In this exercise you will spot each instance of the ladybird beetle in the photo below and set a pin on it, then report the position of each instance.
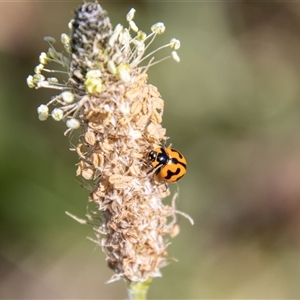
(169, 163)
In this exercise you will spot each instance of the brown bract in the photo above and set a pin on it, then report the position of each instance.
(113, 153)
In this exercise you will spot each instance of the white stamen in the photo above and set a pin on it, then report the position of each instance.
(130, 15)
(73, 123)
(175, 56)
(67, 97)
(57, 114)
(158, 28)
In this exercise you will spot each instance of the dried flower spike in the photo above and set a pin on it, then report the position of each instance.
(120, 114)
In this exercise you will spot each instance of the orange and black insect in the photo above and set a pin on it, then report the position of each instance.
(169, 163)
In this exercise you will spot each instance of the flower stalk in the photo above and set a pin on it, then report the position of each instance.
(106, 95)
(138, 290)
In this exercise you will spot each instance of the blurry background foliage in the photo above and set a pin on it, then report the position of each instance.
(232, 106)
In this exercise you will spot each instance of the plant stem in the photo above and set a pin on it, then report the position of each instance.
(138, 290)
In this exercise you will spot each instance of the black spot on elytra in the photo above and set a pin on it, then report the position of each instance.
(176, 161)
(170, 174)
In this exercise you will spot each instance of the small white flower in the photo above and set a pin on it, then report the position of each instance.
(65, 39)
(73, 123)
(43, 58)
(30, 82)
(67, 97)
(43, 112)
(42, 84)
(158, 28)
(93, 85)
(57, 114)
(39, 81)
(43, 109)
(43, 117)
(130, 15)
(52, 80)
(175, 56)
(93, 74)
(38, 69)
(38, 77)
(175, 44)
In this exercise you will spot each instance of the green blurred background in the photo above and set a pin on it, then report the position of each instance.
(232, 106)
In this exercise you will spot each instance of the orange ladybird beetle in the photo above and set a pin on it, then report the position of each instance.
(169, 163)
